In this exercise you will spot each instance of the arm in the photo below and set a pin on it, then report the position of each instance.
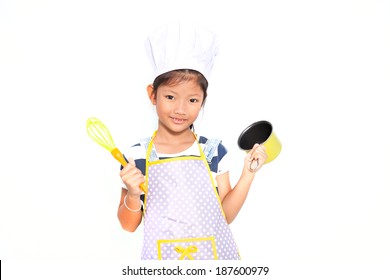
(233, 199)
(132, 178)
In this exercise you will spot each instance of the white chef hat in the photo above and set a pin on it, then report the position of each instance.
(182, 45)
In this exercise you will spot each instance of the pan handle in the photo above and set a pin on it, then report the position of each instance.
(253, 165)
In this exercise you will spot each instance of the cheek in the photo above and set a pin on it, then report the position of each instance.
(162, 108)
(197, 111)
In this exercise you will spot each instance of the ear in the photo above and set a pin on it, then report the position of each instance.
(151, 94)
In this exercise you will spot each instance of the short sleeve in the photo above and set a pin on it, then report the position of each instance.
(223, 159)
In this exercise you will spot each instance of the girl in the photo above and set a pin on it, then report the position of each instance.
(189, 200)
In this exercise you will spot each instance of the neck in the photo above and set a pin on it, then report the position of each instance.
(173, 142)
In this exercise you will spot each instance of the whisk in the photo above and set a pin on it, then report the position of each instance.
(99, 133)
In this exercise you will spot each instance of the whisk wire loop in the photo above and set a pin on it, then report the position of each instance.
(100, 134)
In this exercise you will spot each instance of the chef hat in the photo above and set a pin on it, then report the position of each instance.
(182, 45)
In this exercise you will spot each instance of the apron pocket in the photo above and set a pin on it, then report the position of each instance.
(203, 248)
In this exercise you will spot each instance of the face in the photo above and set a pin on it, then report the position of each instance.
(177, 106)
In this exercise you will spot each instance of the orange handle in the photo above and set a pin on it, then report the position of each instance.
(119, 157)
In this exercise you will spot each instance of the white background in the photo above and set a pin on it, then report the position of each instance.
(318, 70)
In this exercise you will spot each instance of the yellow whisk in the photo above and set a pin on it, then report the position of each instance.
(99, 133)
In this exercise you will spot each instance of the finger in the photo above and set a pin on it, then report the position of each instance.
(130, 165)
(133, 180)
(131, 173)
(253, 151)
(262, 148)
(259, 151)
(131, 161)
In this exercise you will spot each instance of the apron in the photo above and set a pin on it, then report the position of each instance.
(183, 215)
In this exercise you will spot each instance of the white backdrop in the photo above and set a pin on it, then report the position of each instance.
(318, 70)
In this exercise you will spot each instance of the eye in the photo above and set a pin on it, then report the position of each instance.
(169, 97)
(194, 100)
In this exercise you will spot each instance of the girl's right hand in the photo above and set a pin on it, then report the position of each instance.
(132, 177)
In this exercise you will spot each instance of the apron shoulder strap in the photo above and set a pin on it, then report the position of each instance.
(153, 154)
(210, 147)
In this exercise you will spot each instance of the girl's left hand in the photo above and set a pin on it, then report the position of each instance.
(256, 158)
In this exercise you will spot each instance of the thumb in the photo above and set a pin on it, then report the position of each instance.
(131, 161)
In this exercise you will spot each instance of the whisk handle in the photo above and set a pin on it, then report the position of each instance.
(119, 157)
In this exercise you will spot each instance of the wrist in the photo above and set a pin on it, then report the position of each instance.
(133, 195)
(132, 198)
(132, 204)
(247, 173)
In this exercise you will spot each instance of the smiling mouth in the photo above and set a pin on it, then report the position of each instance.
(178, 121)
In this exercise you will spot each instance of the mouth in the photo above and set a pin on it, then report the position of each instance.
(178, 120)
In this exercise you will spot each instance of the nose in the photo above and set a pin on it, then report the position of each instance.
(180, 107)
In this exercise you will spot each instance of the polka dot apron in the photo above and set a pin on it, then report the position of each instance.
(183, 215)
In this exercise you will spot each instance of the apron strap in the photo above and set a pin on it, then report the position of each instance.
(209, 148)
(153, 154)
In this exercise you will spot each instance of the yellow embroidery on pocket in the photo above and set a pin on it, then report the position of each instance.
(186, 252)
(187, 247)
